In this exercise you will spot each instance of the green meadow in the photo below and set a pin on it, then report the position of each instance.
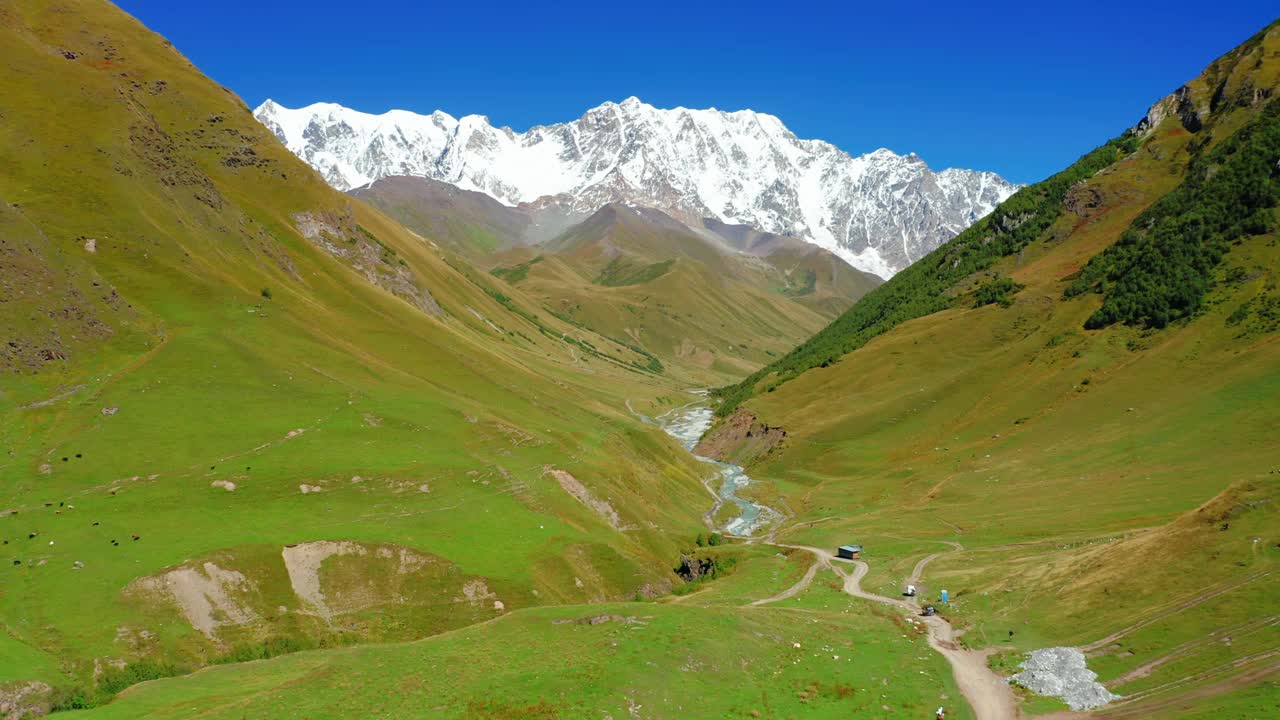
(268, 453)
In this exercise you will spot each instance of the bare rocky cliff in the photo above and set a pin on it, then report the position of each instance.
(741, 439)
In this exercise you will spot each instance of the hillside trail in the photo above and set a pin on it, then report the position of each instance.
(1174, 607)
(987, 693)
(918, 571)
(795, 589)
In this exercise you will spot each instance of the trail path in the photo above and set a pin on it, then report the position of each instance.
(1174, 607)
(1235, 631)
(54, 399)
(1262, 669)
(796, 589)
(988, 694)
(1125, 711)
(918, 570)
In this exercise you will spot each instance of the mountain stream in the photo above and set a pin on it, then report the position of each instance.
(687, 424)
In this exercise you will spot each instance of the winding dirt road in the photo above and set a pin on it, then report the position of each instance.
(796, 589)
(988, 694)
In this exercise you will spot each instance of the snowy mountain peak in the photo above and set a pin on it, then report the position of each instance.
(879, 211)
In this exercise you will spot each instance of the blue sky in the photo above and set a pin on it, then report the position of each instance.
(1019, 88)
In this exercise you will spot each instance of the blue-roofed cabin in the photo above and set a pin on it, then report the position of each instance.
(849, 552)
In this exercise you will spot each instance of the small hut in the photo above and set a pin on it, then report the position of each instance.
(849, 552)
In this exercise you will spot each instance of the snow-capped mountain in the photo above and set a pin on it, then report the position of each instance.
(879, 211)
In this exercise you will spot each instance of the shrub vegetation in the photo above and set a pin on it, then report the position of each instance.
(921, 289)
(1161, 268)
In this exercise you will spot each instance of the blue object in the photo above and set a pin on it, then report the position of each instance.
(944, 596)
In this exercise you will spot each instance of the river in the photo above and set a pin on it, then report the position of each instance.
(687, 425)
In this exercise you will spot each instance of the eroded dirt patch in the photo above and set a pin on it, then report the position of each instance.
(582, 494)
(302, 562)
(740, 439)
(688, 350)
(365, 591)
(208, 596)
(337, 233)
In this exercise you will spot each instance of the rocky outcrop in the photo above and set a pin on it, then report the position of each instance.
(24, 700)
(1181, 103)
(740, 439)
(582, 494)
(337, 234)
(1061, 672)
(692, 568)
(1235, 80)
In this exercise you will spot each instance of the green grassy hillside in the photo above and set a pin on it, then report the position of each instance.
(599, 661)
(702, 305)
(1232, 92)
(1079, 390)
(244, 414)
(268, 453)
(623, 272)
(470, 223)
(703, 310)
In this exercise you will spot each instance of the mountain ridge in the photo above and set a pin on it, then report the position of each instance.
(878, 211)
(706, 308)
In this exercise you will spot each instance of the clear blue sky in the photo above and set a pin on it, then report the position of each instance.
(1019, 88)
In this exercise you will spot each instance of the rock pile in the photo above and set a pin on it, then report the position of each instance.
(1061, 672)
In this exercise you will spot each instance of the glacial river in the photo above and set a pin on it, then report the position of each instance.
(687, 425)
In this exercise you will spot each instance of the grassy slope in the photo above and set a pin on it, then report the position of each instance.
(641, 277)
(820, 654)
(668, 661)
(470, 223)
(190, 204)
(819, 279)
(707, 314)
(1072, 464)
(213, 382)
(1215, 105)
(453, 404)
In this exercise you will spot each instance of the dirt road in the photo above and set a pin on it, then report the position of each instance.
(796, 589)
(988, 694)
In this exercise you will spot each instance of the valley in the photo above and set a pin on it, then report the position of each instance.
(698, 308)
(731, 513)
(301, 420)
